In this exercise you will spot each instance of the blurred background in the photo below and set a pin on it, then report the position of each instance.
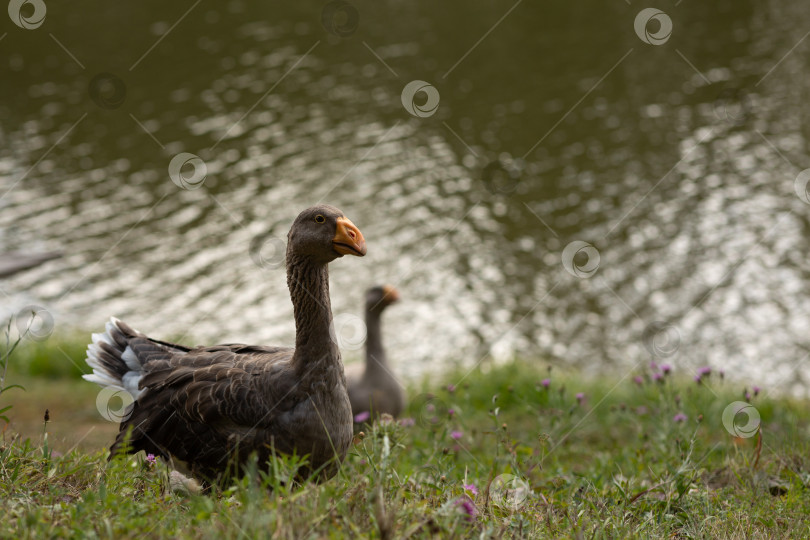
(669, 157)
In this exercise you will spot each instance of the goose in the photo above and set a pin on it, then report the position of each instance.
(373, 389)
(14, 262)
(208, 408)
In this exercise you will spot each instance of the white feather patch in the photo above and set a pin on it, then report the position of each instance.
(130, 382)
(131, 360)
(101, 337)
(101, 379)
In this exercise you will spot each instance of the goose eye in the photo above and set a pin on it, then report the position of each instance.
(319, 219)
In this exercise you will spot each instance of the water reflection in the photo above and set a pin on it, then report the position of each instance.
(675, 162)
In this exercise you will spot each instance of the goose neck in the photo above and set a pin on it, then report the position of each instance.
(375, 354)
(309, 290)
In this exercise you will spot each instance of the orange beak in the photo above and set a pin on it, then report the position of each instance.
(348, 239)
(390, 294)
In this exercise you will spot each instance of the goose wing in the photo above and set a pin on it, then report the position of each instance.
(200, 405)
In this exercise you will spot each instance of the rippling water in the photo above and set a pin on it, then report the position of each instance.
(676, 162)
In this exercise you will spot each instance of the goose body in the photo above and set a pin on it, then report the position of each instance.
(373, 388)
(211, 406)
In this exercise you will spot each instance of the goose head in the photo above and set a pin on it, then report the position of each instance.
(322, 234)
(380, 297)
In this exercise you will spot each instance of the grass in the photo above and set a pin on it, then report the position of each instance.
(536, 462)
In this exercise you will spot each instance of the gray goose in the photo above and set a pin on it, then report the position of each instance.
(372, 387)
(208, 407)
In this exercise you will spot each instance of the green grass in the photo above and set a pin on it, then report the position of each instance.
(60, 357)
(616, 465)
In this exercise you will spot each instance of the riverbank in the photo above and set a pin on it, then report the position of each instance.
(519, 450)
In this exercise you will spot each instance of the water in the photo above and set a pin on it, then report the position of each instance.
(676, 162)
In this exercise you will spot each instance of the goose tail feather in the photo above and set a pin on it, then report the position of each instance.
(113, 361)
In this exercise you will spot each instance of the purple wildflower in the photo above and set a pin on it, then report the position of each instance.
(471, 488)
(658, 377)
(362, 417)
(545, 383)
(151, 459)
(451, 388)
(666, 368)
(680, 417)
(580, 397)
(705, 370)
(756, 390)
(747, 395)
(638, 380)
(407, 422)
(653, 366)
(698, 379)
(467, 507)
(451, 412)
(456, 435)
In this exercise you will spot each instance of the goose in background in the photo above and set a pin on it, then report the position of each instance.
(14, 262)
(212, 407)
(373, 388)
